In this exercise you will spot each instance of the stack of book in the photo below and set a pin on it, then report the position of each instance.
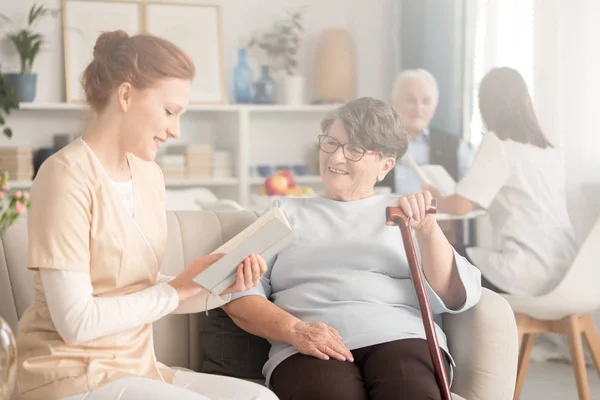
(172, 165)
(18, 162)
(222, 164)
(198, 159)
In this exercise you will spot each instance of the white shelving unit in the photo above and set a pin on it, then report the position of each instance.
(255, 134)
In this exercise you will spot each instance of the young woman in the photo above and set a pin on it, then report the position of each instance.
(97, 235)
(518, 177)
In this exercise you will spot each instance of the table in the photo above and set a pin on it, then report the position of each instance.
(464, 219)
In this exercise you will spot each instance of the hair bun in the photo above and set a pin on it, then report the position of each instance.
(108, 42)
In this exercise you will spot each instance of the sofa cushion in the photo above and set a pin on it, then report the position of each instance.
(229, 350)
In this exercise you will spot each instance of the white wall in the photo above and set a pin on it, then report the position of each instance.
(368, 21)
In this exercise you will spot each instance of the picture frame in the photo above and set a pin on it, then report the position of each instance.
(83, 22)
(197, 29)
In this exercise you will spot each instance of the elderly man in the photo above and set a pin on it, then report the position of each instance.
(415, 97)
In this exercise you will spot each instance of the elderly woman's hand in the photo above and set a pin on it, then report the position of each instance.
(319, 340)
(415, 205)
(248, 275)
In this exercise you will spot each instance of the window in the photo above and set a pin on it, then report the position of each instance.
(503, 37)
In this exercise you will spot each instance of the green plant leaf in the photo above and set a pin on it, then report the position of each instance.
(7, 132)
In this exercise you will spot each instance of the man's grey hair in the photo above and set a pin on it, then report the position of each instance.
(371, 124)
(414, 74)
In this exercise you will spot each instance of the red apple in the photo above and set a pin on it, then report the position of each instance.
(288, 175)
(276, 185)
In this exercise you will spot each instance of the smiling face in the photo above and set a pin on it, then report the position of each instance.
(350, 180)
(416, 104)
(152, 116)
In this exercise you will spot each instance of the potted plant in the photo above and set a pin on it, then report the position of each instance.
(8, 101)
(281, 45)
(28, 44)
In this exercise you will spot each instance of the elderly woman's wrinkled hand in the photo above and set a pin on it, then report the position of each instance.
(319, 340)
(415, 206)
(248, 275)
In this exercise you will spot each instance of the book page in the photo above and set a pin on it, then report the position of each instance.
(250, 230)
(421, 175)
(440, 179)
(268, 235)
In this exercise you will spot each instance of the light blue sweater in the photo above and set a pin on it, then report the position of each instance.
(349, 270)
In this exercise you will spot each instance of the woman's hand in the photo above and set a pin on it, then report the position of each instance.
(319, 340)
(184, 284)
(249, 273)
(415, 205)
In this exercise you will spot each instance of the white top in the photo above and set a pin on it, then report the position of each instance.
(523, 189)
(126, 193)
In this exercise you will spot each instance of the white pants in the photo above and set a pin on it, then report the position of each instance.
(186, 386)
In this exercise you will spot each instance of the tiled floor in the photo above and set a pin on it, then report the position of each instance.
(555, 381)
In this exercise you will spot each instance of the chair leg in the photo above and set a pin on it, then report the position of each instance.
(573, 329)
(592, 339)
(524, 356)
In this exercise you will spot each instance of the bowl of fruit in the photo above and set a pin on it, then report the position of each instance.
(281, 184)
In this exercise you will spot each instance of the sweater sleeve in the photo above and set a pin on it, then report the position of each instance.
(203, 301)
(80, 317)
(470, 277)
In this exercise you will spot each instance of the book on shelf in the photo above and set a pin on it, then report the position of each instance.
(267, 236)
(433, 175)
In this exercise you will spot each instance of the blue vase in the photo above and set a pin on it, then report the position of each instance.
(242, 79)
(24, 85)
(264, 88)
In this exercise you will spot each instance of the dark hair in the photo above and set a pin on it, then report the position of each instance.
(371, 124)
(507, 110)
(141, 60)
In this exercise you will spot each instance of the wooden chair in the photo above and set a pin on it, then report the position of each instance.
(566, 310)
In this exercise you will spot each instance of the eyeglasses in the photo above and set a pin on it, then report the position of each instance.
(352, 152)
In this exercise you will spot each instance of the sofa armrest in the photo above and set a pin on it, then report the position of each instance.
(484, 343)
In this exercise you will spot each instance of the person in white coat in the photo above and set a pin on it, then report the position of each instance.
(518, 178)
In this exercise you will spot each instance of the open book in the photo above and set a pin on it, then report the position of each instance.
(433, 175)
(267, 236)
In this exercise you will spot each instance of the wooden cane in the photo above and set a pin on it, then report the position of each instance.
(396, 216)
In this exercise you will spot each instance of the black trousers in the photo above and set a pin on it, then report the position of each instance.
(398, 370)
(462, 250)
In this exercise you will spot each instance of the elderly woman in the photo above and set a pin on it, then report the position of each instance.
(338, 305)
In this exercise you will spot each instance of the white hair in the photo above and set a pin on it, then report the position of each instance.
(414, 74)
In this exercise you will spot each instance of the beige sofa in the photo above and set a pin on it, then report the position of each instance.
(483, 340)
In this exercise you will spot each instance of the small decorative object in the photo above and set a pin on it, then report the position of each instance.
(264, 88)
(28, 44)
(11, 206)
(301, 169)
(264, 170)
(282, 45)
(242, 79)
(335, 69)
(8, 101)
(8, 360)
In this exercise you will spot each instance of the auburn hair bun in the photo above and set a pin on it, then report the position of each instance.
(108, 42)
(140, 60)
